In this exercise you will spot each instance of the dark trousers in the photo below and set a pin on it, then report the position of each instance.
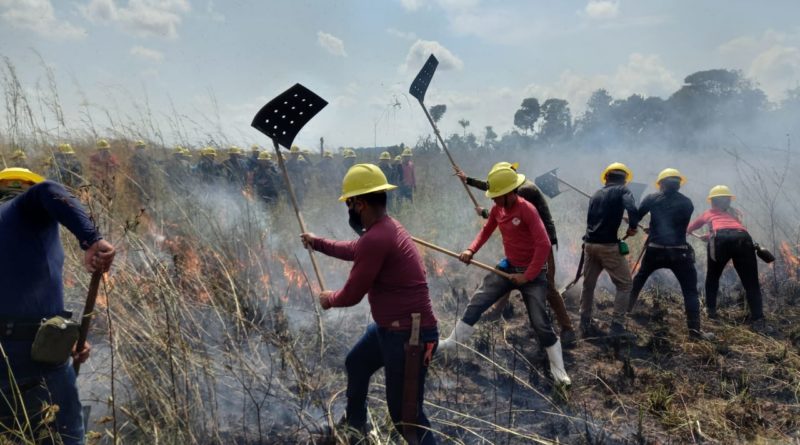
(381, 348)
(681, 263)
(534, 295)
(736, 246)
(35, 385)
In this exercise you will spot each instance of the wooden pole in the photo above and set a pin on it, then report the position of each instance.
(455, 255)
(88, 314)
(441, 141)
(300, 220)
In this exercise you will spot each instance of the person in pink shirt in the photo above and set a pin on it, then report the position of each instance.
(728, 240)
(409, 183)
(527, 247)
(387, 267)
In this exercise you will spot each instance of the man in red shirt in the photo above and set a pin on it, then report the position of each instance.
(387, 267)
(728, 241)
(527, 247)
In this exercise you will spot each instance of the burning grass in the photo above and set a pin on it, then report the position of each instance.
(216, 336)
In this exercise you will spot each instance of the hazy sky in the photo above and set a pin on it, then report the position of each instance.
(361, 55)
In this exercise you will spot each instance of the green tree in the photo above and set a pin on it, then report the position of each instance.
(464, 124)
(557, 125)
(525, 118)
(490, 138)
(437, 112)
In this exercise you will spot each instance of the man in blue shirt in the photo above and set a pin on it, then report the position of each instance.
(31, 265)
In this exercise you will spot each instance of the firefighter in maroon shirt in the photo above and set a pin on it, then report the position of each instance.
(387, 267)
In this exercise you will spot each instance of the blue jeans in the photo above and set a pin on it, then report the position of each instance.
(534, 295)
(39, 384)
(381, 348)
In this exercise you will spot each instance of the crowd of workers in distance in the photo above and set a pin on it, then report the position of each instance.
(255, 170)
(388, 268)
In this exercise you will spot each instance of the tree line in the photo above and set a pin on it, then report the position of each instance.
(708, 104)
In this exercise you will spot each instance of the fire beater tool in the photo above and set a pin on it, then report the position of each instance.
(418, 89)
(83, 334)
(281, 119)
(455, 255)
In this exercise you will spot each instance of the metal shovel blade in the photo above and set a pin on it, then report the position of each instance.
(283, 117)
(548, 183)
(637, 188)
(420, 84)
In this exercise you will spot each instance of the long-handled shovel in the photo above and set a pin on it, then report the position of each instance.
(83, 334)
(418, 89)
(281, 119)
(455, 255)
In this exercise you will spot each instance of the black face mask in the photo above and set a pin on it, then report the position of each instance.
(355, 222)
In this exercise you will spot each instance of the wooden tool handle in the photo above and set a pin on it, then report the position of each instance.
(455, 255)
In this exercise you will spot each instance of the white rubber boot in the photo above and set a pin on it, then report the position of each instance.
(557, 364)
(460, 334)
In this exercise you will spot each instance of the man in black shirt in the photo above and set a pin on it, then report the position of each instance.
(601, 246)
(670, 212)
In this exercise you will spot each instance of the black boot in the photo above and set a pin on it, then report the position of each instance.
(693, 323)
(589, 328)
(619, 332)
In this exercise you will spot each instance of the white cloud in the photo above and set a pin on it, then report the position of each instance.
(401, 34)
(642, 74)
(412, 5)
(39, 16)
(331, 43)
(602, 9)
(213, 14)
(147, 54)
(420, 51)
(144, 18)
(772, 59)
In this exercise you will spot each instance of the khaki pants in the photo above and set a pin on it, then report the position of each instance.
(599, 257)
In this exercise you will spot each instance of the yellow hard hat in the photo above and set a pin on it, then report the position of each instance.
(294, 149)
(362, 179)
(255, 147)
(398, 158)
(140, 144)
(20, 174)
(504, 164)
(265, 156)
(386, 156)
(209, 151)
(719, 191)
(328, 155)
(178, 150)
(19, 154)
(47, 162)
(301, 158)
(103, 144)
(407, 153)
(66, 149)
(234, 150)
(306, 151)
(670, 173)
(349, 153)
(503, 180)
(617, 166)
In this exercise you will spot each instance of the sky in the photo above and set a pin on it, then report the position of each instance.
(205, 58)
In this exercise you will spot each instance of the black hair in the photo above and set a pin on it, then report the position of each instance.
(374, 199)
(616, 176)
(670, 184)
